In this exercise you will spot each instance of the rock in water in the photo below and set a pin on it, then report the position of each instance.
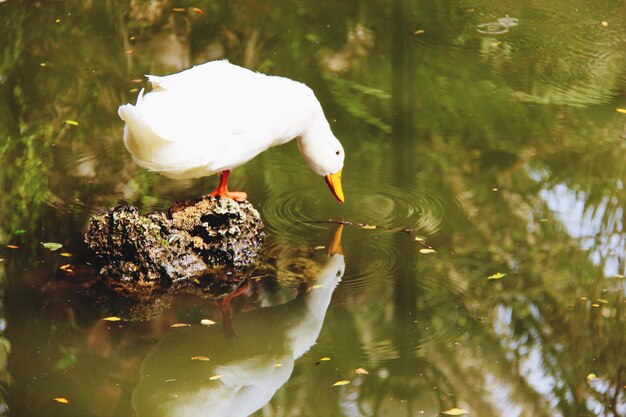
(199, 237)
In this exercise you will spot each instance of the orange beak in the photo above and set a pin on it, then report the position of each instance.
(334, 183)
(335, 244)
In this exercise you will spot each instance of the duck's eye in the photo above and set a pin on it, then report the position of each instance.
(337, 153)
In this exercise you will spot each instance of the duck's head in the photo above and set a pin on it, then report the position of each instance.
(324, 154)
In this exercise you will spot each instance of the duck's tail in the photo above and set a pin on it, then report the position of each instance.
(140, 139)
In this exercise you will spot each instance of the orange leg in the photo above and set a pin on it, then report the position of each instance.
(222, 190)
(224, 305)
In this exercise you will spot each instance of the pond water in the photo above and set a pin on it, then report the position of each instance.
(491, 129)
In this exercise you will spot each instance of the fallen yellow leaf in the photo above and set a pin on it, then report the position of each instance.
(198, 10)
(71, 122)
(623, 111)
(605, 23)
(112, 318)
(455, 412)
(602, 300)
(591, 377)
(325, 358)
(61, 400)
(180, 325)
(214, 377)
(319, 247)
(278, 365)
(497, 275)
(13, 247)
(368, 227)
(200, 358)
(340, 383)
(178, 9)
(66, 254)
(361, 371)
(426, 251)
(419, 32)
(66, 268)
(207, 322)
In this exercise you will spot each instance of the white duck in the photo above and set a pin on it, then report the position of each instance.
(216, 116)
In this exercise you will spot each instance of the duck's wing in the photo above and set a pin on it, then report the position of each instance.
(203, 76)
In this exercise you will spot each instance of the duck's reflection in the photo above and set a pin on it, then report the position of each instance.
(252, 365)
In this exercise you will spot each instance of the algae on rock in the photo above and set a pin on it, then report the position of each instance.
(207, 236)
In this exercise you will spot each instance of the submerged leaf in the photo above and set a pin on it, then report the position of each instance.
(52, 246)
(455, 412)
(361, 371)
(61, 400)
(340, 383)
(497, 275)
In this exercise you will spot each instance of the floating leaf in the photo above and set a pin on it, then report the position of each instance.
(595, 305)
(66, 268)
(325, 358)
(455, 412)
(180, 325)
(340, 383)
(19, 232)
(200, 358)
(419, 32)
(214, 377)
(207, 322)
(319, 247)
(52, 246)
(112, 318)
(368, 227)
(178, 9)
(361, 371)
(61, 400)
(591, 377)
(66, 254)
(198, 10)
(13, 247)
(602, 300)
(71, 122)
(605, 23)
(623, 111)
(133, 90)
(427, 251)
(497, 275)
(278, 365)
(419, 239)
(137, 81)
